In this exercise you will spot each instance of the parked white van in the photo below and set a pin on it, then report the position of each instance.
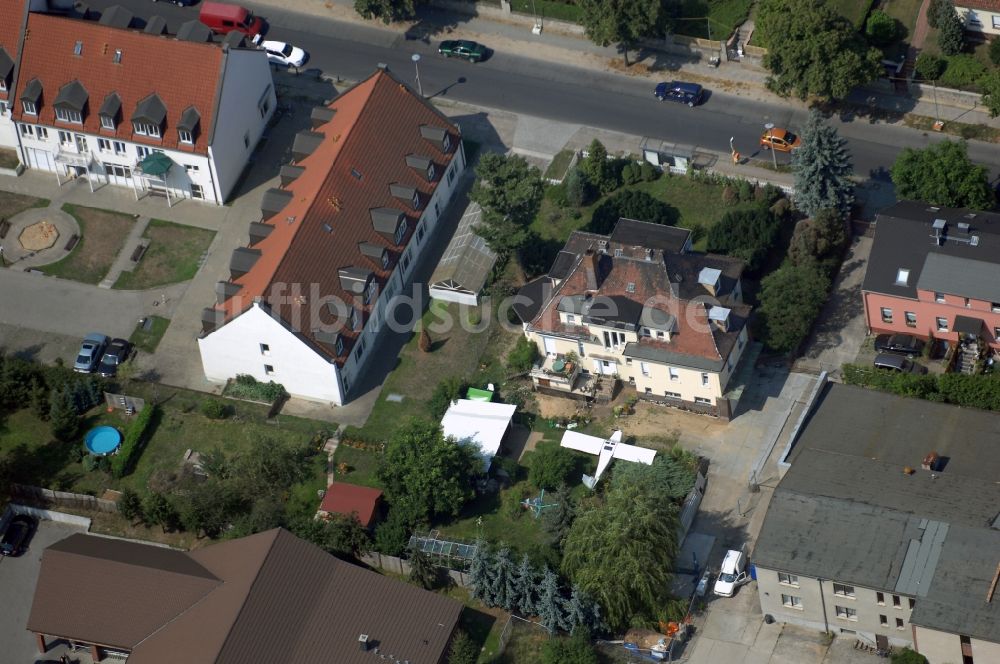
(733, 573)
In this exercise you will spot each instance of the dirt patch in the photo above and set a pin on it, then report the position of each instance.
(11, 203)
(173, 256)
(549, 406)
(102, 236)
(652, 421)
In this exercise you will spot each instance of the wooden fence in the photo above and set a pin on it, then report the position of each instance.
(47, 497)
(400, 566)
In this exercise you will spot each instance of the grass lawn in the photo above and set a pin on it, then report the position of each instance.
(148, 340)
(11, 203)
(456, 352)
(102, 236)
(560, 163)
(173, 255)
(562, 11)
(8, 159)
(698, 205)
(855, 11)
(724, 15)
(26, 443)
(361, 465)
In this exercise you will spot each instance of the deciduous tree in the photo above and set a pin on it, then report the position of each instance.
(745, 234)
(575, 649)
(822, 168)
(432, 473)
(632, 204)
(621, 22)
(621, 552)
(341, 535)
(159, 511)
(942, 174)
(550, 466)
(386, 10)
(790, 300)
(130, 506)
(951, 30)
(813, 50)
(509, 190)
(990, 85)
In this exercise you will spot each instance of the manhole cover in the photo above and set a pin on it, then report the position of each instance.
(38, 236)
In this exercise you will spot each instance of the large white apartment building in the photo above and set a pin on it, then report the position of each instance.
(97, 100)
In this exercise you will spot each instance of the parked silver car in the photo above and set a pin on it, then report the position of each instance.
(90, 353)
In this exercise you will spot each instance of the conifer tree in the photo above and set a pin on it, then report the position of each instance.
(550, 609)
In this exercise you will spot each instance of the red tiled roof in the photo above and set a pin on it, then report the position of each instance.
(11, 21)
(375, 125)
(985, 5)
(181, 73)
(343, 498)
(649, 283)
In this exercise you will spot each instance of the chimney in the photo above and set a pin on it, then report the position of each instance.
(719, 317)
(363, 642)
(649, 254)
(590, 268)
(940, 227)
(931, 461)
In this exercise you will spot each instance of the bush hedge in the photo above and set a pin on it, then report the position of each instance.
(245, 386)
(135, 439)
(972, 391)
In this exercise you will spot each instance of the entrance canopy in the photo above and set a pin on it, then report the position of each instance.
(968, 325)
(481, 423)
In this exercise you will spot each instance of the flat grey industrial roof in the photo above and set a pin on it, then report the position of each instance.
(847, 511)
(957, 598)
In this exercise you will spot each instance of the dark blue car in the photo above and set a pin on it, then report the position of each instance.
(685, 93)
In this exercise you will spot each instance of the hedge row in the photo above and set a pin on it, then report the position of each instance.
(973, 391)
(135, 438)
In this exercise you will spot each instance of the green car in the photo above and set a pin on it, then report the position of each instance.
(460, 48)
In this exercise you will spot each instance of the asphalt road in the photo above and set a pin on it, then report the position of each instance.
(576, 95)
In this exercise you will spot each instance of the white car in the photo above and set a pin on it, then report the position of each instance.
(286, 55)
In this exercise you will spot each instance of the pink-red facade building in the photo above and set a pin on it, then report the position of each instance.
(935, 273)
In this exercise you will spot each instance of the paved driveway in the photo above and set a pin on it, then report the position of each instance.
(17, 587)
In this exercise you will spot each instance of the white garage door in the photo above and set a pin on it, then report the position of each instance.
(40, 159)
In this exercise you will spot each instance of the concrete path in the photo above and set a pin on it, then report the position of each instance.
(124, 261)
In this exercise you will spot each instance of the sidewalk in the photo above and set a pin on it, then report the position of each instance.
(732, 78)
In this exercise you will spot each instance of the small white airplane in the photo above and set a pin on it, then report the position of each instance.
(606, 450)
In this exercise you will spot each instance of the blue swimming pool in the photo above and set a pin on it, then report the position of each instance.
(102, 440)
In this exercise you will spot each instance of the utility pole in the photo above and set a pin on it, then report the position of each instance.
(770, 146)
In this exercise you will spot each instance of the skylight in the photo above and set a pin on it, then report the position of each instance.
(902, 276)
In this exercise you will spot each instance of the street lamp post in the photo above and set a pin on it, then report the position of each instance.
(770, 146)
(416, 66)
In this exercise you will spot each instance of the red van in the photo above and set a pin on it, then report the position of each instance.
(223, 19)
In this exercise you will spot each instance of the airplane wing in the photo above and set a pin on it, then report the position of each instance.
(634, 453)
(581, 442)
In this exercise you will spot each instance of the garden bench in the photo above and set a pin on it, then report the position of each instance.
(4, 227)
(139, 251)
(73, 239)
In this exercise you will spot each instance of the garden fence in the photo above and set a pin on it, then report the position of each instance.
(47, 497)
(400, 566)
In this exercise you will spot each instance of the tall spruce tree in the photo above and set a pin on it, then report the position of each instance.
(479, 572)
(505, 579)
(581, 611)
(550, 605)
(524, 587)
(823, 169)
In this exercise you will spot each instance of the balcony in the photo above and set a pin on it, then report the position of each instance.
(556, 372)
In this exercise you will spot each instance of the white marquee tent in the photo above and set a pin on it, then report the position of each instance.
(481, 423)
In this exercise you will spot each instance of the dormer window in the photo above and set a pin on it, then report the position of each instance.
(446, 143)
(371, 291)
(340, 345)
(31, 97)
(146, 129)
(400, 233)
(430, 172)
(187, 126)
(354, 318)
(416, 200)
(385, 260)
(3, 85)
(185, 136)
(107, 122)
(67, 115)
